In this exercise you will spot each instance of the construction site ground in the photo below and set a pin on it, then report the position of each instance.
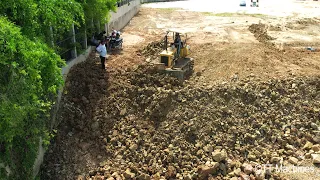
(241, 53)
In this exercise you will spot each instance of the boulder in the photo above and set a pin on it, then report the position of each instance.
(244, 176)
(260, 174)
(315, 158)
(275, 159)
(144, 177)
(308, 145)
(219, 156)
(171, 172)
(204, 170)
(316, 148)
(247, 168)
(293, 160)
(128, 174)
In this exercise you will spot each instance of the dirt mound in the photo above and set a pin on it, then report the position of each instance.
(152, 50)
(302, 24)
(276, 27)
(183, 132)
(260, 31)
(308, 21)
(147, 125)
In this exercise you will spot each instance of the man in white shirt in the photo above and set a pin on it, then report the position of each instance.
(102, 50)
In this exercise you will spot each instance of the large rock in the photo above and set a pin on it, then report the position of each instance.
(316, 148)
(204, 171)
(293, 160)
(244, 176)
(252, 157)
(315, 158)
(208, 148)
(237, 172)
(308, 145)
(247, 168)
(219, 156)
(260, 174)
(316, 139)
(275, 159)
(314, 126)
(128, 174)
(171, 172)
(133, 147)
(290, 147)
(144, 177)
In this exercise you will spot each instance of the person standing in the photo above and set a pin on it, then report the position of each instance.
(101, 36)
(102, 50)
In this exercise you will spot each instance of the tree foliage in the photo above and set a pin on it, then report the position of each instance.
(30, 76)
(36, 16)
(30, 71)
(98, 9)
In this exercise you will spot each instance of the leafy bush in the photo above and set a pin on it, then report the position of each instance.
(30, 76)
(30, 73)
(36, 16)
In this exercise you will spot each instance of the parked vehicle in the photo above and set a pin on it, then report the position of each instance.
(243, 3)
(254, 3)
(115, 43)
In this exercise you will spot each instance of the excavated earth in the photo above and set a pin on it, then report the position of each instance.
(132, 122)
(140, 124)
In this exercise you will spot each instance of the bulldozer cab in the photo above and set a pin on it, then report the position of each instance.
(175, 48)
(174, 58)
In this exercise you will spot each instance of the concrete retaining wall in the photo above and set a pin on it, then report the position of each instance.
(123, 15)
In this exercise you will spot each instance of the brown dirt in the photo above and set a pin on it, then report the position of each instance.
(225, 46)
(224, 50)
(260, 32)
(74, 147)
(152, 50)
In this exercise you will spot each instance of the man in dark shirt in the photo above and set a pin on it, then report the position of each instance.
(177, 40)
(101, 36)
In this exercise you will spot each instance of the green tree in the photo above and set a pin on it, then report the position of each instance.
(97, 12)
(30, 71)
(36, 16)
(98, 9)
(30, 76)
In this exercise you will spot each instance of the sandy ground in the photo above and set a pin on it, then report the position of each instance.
(223, 48)
(270, 7)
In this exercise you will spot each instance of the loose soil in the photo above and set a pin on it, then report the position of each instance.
(253, 99)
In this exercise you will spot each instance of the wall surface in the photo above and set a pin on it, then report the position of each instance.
(123, 16)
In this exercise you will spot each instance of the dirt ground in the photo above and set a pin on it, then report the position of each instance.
(225, 46)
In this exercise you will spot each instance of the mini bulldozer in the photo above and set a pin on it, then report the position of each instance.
(174, 58)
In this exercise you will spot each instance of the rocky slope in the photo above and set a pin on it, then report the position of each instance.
(146, 125)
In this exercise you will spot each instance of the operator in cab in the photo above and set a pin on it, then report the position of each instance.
(177, 41)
